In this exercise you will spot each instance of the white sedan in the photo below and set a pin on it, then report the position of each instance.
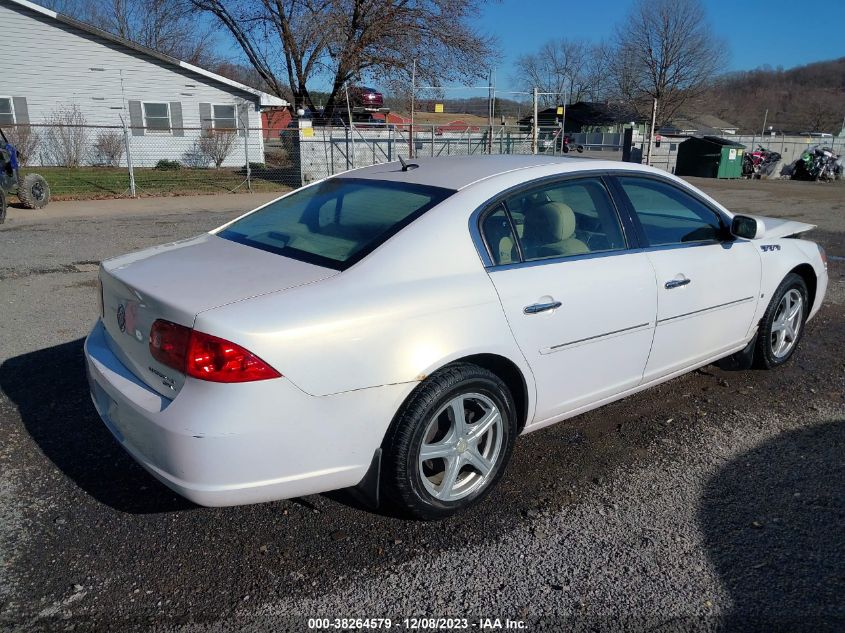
(395, 328)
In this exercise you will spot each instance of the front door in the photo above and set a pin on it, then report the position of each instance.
(580, 304)
(708, 284)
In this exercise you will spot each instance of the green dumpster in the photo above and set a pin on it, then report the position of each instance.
(710, 157)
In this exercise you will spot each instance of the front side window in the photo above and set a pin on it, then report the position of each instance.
(224, 117)
(157, 117)
(669, 215)
(337, 222)
(574, 217)
(7, 113)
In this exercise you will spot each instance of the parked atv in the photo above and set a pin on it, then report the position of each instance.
(33, 191)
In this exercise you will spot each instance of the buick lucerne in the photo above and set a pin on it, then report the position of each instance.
(394, 329)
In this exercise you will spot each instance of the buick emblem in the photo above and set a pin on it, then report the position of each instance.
(121, 317)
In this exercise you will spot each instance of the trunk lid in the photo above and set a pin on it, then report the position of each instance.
(176, 282)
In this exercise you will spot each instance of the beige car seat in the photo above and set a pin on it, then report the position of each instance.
(549, 231)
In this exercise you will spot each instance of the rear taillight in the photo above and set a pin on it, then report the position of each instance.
(169, 343)
(204, 356)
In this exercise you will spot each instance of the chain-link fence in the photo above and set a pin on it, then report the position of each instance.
(87, 161)
(84, 162)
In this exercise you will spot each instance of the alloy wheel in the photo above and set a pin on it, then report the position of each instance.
(461, 445)
(787, 323)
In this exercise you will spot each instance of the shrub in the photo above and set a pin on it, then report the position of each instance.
(216, 145)
(25, 139)
(109, 146)
(168, 165)
(257, 165)
(66, 137)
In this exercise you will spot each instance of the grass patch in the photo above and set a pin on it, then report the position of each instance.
(87, 183)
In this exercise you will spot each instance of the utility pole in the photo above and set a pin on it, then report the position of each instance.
(534, 131)
(651, 130)
(765, 120)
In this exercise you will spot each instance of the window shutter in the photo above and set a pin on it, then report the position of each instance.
(243, 118)
(136, 118)
(21, 110)
(176, 124)
(205, 116)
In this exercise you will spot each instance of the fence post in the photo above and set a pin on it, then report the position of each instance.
(534, 128)
(246, 158)
(432, 140)
(128, 159)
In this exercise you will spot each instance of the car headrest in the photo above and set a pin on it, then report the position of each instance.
(549, 222)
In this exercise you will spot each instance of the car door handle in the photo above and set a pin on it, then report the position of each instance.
(535, 308)
(676, 283)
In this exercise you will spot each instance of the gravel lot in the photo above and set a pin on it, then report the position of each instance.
(713, 501)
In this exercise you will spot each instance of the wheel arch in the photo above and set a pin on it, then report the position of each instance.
(806, 272)
(508, 371)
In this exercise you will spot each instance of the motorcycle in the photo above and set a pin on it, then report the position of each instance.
(760, 162)
(818, 163)
(566, 145)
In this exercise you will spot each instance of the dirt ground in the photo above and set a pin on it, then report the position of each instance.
(714, 501)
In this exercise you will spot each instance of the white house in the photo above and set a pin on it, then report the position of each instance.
(167, 104)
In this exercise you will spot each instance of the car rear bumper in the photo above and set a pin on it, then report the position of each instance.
(232, 444)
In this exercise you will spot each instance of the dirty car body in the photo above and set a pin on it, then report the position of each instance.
(275, 356)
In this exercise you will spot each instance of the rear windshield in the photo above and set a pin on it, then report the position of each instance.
(337, 222)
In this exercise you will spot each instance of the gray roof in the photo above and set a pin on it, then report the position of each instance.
(456, 172)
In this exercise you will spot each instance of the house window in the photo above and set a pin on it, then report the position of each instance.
(7, 111)
(157, 117)
(224, 117)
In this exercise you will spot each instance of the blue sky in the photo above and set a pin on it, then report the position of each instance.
(774, 32)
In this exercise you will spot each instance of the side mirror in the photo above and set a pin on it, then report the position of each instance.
(746, 227)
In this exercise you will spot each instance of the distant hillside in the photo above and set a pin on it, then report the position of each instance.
(803, 99)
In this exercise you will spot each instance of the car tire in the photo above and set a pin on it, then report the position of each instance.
(467, 461)
(782, 324)
(2, 206)
(34, 192)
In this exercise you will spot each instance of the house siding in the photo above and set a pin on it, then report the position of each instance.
(102, 77)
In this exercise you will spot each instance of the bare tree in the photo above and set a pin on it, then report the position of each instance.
(292, 42)
(665, 54)
(166, 26)
(559, 69)
(216, 145)
(66, 137)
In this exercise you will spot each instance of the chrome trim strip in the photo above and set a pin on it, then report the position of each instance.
(716, 307)
(592, 338)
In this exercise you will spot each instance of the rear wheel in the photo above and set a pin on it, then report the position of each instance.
(450, 442)
(34, 192)
(783, 323)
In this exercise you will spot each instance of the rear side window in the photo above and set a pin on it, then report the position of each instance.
(574, 217)
(669, 215)
(337, 222)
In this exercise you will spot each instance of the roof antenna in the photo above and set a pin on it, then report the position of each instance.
(406, 166)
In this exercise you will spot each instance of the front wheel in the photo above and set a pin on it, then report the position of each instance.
(783, 323)
(34, 192)
(449, 443)
(580, 149)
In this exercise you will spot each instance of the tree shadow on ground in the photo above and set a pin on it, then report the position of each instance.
(774, 526)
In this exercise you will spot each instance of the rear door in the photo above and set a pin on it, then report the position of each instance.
(580, 304)
(707, 282)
